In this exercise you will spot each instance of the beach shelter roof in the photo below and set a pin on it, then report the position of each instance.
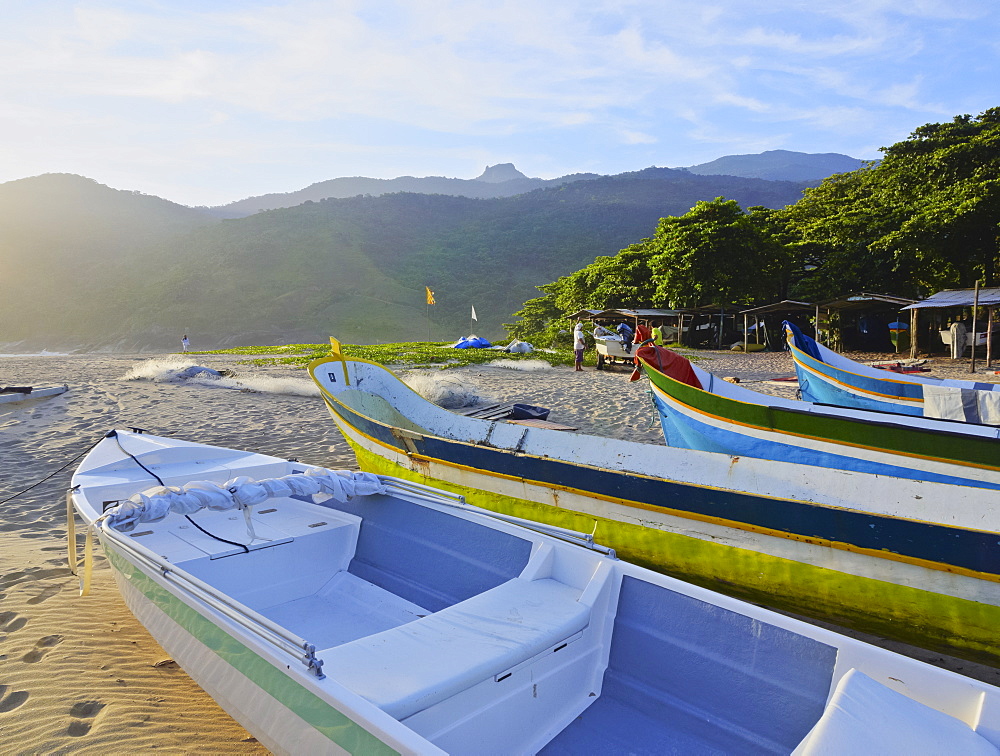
(864, 300)
(713, 309)
(583, 314)
(958, 298)
(786, 305)
(640, 314)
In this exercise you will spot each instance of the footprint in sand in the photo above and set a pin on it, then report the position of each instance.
(35, 573)
(83, 712)
(42, 647)
(9, 622)
(11, 701)
(45, 595)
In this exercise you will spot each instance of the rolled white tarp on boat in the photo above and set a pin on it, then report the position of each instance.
(156, 503)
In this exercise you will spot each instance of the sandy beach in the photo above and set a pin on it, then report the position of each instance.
(80, 675)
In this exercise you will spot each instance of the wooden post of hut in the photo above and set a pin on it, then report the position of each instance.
(989, 338)
(975, 312)
(914, 319)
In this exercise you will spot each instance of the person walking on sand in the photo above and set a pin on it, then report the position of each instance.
(579, 344)
(185, 343)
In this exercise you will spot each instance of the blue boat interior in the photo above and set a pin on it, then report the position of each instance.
(428, 557)
(676, 663)
(689, 677)
(427, 588)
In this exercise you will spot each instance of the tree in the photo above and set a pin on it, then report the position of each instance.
(717, 253)
(923, 219)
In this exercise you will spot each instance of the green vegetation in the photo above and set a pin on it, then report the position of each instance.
(412, 354)
(926, 217)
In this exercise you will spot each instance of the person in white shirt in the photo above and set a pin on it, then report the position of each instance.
(579, 344)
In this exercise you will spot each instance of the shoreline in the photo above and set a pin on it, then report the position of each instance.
(82, 675)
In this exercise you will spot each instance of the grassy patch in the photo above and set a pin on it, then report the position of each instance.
(415, 354)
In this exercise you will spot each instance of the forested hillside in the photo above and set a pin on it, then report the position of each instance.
(924, 218)
(95, 267)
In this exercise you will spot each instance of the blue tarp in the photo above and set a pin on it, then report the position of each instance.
(471, 342)
(803, 342)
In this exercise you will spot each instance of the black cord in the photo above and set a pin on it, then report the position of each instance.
(114, 435)
(159, 480)
(47, 477)
(246, 549)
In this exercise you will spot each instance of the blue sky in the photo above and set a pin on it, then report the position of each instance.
(212, 101)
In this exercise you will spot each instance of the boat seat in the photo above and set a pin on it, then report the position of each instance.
(414, 666)
(864, 716)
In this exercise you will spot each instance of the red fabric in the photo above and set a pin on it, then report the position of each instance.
(667, 362)
(642, 333)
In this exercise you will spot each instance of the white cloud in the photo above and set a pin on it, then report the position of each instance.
(461, 81)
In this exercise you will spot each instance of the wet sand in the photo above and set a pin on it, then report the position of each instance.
(80, 675)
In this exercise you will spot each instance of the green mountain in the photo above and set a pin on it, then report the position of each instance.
(90, 267)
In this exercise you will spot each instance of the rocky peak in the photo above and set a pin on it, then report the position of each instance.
(497, 174)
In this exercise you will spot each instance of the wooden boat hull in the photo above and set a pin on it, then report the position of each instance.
(790, 536)
(734, 420)
(826, 377)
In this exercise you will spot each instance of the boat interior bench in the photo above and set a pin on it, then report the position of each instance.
(864, 716)
(414, 666)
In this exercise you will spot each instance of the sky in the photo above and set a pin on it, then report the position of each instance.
(205, 102)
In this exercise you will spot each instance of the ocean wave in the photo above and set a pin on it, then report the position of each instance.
(185, 371)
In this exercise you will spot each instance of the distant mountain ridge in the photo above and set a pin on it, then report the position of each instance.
(504, 180)
(780, 165)
(93, 268)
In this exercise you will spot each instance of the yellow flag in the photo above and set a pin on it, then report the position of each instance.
(430, 295)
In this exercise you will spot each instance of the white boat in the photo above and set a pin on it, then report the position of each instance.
(10, 394)
(347, 612)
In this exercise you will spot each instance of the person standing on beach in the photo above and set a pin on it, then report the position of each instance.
(658, 335)
(185, 343)
(579, 344)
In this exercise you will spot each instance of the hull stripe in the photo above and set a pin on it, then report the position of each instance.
(967, 552)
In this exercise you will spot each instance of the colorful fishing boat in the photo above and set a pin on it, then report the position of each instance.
(333, 612)
(907, 559)
(708, 413)
(827, 377)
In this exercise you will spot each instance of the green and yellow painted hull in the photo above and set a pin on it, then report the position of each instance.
(858, 550)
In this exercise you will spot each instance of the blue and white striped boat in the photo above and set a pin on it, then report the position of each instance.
(826, 377)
